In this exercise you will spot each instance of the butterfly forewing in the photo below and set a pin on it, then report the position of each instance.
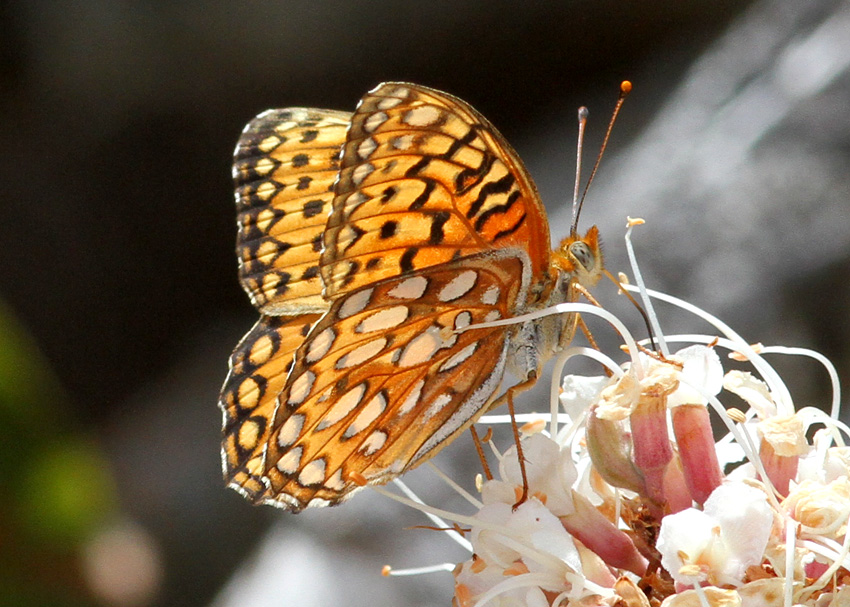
(425, 179)
(285, 166)
(385, 379)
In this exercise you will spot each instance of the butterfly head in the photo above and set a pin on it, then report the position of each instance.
(580, 257)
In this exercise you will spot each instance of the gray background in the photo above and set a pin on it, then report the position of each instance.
(117, 127)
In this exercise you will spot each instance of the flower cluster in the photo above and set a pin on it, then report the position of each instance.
(633, 503)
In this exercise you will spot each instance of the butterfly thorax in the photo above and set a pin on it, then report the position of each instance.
(576, 263)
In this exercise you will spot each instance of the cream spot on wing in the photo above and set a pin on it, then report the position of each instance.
(263, 223)
(463, 320)
(300, 388)
(355, 303)
(256, 466)
(266, 250)
(412, 397)
(248, 434)
(354, 201)
(299, 115)
(374, 121)
(491, 295)
(325, 395)
(412, 288)
(347, 236)
(290, 461)
(313, 473)
(270, 282)
(318, 502)
(421, 348)
(369, 414)
(343, 406)
(269, 143)
(402, 142)
(383, 320)
(263, 167)
(320, 345)
(335, 482)
(458, 286)
(424, 115)
(366, 147)
(388, 103)
(441, 401)
(290, 431)
(492, 315)
(361, 354)
(361, 172)
(402, 92)
(372, 444)
(459, 357)
(261, 351)
(282, 127)
(248, 394)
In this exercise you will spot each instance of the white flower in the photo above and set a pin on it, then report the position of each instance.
(520, 551)
(824, 508)
(825, 465)
(579, 392)
(701, 374)
(530, 533)
(550, 471)
(644, 444)
(754, 391)
(719, 543)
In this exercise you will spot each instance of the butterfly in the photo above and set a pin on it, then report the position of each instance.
(373, 243)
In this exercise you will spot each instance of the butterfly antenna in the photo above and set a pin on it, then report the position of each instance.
(637, 305)
(582, 122)
(625, 89)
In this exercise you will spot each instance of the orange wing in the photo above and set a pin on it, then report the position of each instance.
(384, 379)
(435, 225)
(284, 167)
(258, 369)
(426, 179)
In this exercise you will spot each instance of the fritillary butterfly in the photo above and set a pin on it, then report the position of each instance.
(369, 242)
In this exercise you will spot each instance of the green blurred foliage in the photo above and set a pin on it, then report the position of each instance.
(56, 488)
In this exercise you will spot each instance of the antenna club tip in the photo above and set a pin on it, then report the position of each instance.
(582, 113)
(625, 87)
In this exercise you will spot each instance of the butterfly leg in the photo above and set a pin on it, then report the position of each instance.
(586, 294)
(509, 394)
(480, 449)
(588, 335)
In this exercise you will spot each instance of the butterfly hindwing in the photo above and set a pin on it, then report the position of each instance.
(258, 369)
(387, 376)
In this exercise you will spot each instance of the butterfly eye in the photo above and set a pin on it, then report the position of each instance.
(582, 253)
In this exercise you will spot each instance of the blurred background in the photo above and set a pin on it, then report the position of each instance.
(119, 302)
